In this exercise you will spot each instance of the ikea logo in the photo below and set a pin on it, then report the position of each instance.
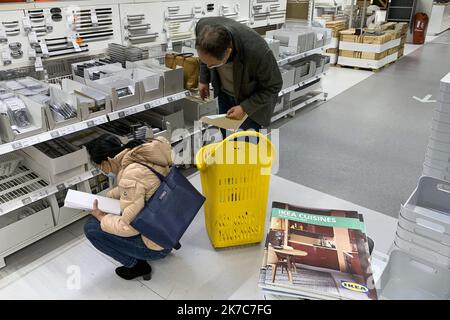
(353, 286)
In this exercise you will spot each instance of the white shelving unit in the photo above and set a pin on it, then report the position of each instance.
(300, 56)
(301, 84)
(26, 142)
(311, 93)
(310, 98)
(24, 186)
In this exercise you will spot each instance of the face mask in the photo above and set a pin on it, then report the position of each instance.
(219, 65)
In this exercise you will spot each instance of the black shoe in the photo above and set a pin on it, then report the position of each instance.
(142, 268)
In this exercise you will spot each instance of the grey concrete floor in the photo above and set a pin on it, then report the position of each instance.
(367, 144)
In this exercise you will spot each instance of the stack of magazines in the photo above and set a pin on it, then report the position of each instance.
(316, 254)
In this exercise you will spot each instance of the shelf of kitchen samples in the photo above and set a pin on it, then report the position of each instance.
(48, 135)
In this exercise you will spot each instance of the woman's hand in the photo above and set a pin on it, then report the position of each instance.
(96, 212)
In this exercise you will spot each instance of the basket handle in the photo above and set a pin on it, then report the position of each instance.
(243, 134)
(239, 134)
(202, 165)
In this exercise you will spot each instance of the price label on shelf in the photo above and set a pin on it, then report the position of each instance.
(101, 120)
(39, 195)
(26, 142)
(131, 111)
(157, 103)
(139, 108)
(72, 181)
(16, 145)
(66, 130)
(26, 201)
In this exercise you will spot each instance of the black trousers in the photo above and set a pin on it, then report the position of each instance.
(226, 102)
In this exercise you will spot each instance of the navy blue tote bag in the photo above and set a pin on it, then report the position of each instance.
(171, 209)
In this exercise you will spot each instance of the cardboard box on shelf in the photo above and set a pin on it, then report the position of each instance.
(297, 9)
(333, 50)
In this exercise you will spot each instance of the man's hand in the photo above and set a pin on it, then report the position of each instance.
(96, 212)
(203, 90)
(236, 113)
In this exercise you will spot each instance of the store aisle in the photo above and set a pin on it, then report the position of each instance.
(367, 144)
(66, 266)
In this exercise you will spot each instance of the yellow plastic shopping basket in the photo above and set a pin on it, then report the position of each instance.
(235, 179)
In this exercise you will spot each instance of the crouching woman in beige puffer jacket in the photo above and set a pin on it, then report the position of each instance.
(135, 184)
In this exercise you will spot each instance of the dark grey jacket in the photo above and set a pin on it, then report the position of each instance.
(257, 77)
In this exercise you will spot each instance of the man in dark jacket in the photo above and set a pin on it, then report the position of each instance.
(242, 69)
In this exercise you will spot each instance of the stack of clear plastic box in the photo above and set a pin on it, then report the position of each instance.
(419, 264)
(437, 158)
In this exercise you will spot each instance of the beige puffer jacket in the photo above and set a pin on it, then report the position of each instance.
(136, 184)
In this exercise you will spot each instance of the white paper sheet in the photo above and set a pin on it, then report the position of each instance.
(84, 201)
(221, 121)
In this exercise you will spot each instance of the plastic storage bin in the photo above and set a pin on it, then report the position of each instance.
(430, 230)
(437, 164)
(443, 106)
(440, 126)
(420, 252)
(436, 173)
(438, 145)
(438, 155)
(440, 136)
(429, 208)
(412, 278)
(444, 96)
(423, 241)
(432, 159)
(235, 178)
(441, 116)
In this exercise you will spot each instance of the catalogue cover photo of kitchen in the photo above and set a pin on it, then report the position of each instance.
(316, 254)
